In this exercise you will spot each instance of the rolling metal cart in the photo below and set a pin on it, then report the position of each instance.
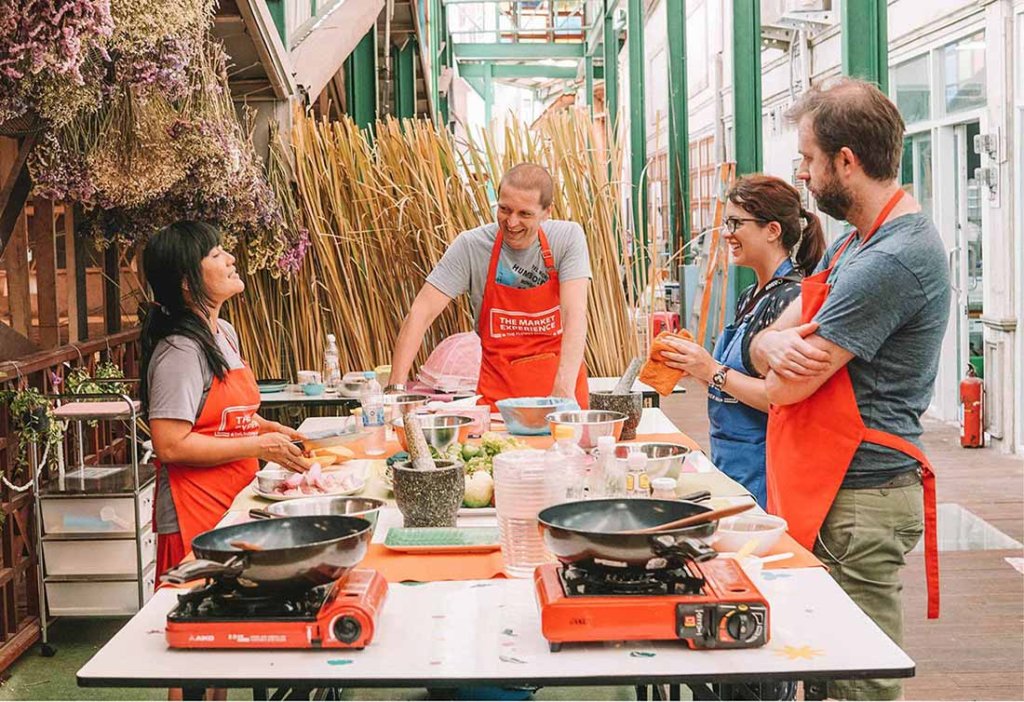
(94, 534)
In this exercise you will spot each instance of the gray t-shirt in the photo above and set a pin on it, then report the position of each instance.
(889, 306)
(464, 265)
(179, 381)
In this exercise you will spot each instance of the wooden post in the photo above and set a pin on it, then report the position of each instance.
(82, 257)
(70, 260)
(112, 289)
(14, 190)
(44, 255)
(16, 264)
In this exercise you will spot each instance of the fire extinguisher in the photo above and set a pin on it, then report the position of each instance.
(971, 388)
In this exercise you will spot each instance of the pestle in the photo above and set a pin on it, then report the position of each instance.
(419, 451)
(625, 384)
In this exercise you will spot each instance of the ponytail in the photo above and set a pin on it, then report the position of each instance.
(811, 246)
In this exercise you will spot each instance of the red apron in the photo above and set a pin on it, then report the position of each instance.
(521, 336)
(202, 494)
(811, 443)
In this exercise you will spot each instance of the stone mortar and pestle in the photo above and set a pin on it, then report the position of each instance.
(428, 492)
(623, 399)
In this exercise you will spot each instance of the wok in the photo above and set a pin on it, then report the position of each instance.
(589, 529)
(320, 505)
(277, 555)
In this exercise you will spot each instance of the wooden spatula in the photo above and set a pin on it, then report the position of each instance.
(692, 520)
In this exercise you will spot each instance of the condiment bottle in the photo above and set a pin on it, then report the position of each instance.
(663, 488)
(602, 470)
(637, 482)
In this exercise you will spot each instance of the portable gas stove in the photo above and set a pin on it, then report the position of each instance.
(219, 615)
(712, 604)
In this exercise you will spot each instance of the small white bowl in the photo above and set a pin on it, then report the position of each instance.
(270, 477)
(734, 532)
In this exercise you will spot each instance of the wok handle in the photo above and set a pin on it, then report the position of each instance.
(259, 513)
(199, 568)
(686, 547)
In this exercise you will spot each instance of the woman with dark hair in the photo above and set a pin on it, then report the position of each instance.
(767, 229)
(200, 397)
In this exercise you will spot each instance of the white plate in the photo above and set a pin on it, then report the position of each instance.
(278, 498)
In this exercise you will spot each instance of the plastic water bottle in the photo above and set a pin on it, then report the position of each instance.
(637, 482)
(332, 365)
(372, 401)
(598, 484)
(567, 458)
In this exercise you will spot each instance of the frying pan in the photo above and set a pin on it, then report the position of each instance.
(589, 529)
(366, 507)
(279, 555)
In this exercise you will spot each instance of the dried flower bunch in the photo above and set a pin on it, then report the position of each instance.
(162, 141)
(51, 58)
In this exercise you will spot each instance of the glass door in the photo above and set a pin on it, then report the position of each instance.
(966, 273)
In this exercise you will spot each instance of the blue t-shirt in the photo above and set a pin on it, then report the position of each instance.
(889, 306)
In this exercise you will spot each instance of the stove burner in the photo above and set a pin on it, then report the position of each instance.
(590, 578)
(222, 599)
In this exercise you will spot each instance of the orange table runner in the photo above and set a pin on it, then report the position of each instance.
(430, 567)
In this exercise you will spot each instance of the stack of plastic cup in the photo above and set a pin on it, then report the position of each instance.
(523, 486)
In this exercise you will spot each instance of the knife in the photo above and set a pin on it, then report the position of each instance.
(327, 438)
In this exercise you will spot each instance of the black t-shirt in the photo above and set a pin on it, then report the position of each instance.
(766, 312)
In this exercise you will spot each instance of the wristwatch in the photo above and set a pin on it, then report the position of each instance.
(718, 379)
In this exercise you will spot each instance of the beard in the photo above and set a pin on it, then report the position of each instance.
(833, 199)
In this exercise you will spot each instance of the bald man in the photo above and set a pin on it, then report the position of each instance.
(527, 278)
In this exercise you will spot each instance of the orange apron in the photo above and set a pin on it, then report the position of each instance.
(202, 494)
(811, 443)
(521, 336)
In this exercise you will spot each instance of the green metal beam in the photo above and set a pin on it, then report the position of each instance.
(361, 81)
(588, 78)
(678, 128)
(444, 60)
(508, 71)
(866, 41)
(611, 69)
(489, 94)
(477, 84)
(638, 132)
(746, 81)
(277, 13)
(518, 52)
(404, 60)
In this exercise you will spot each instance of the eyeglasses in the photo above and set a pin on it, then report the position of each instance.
(734, 223)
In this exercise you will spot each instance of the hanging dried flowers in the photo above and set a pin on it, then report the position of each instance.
(166, 143)
(51, 54)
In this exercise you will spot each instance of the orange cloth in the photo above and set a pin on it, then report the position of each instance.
(655, 373)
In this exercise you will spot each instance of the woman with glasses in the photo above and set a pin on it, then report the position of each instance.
(767, 229)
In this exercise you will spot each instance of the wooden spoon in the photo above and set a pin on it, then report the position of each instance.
(245, 546)
(692, 520)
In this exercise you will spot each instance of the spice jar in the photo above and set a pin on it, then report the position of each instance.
(663, 488)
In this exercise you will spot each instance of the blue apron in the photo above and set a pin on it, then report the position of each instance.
(738, 430)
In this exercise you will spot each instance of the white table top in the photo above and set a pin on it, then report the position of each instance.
(488, 632)
(606, 384)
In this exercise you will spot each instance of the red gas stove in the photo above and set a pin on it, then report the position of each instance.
(219, 615)
(712, 604)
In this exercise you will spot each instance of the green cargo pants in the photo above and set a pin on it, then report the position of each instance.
(863, 541)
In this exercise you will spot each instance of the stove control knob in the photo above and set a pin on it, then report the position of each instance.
(741, 624)
(347, 629)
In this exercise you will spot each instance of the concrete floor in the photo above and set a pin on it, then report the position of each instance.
(975, 651)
